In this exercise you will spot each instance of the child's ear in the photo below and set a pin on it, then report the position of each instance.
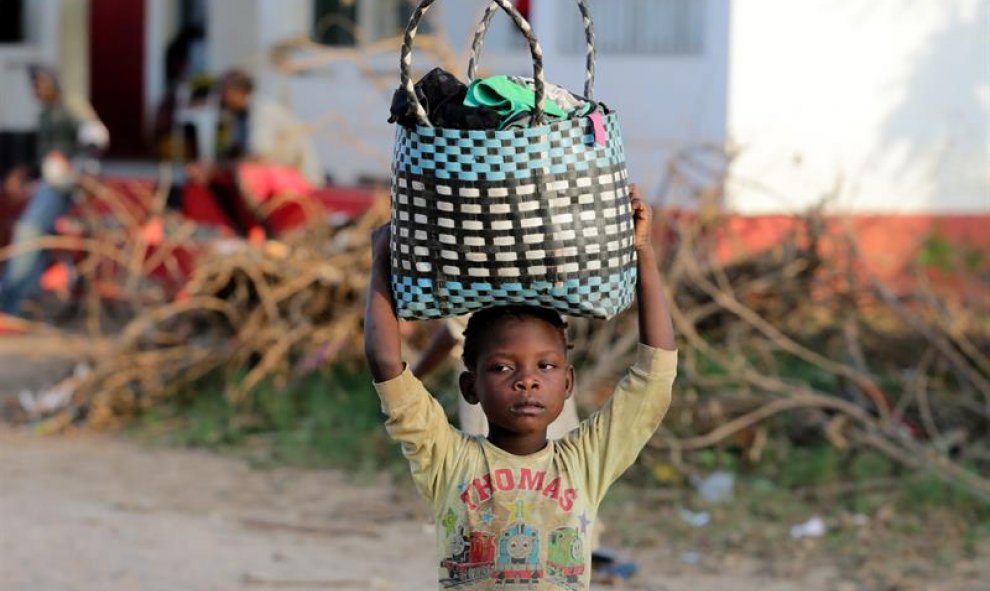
(571, 380)
(468, 391)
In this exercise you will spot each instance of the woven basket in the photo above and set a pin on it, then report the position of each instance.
(537, 216)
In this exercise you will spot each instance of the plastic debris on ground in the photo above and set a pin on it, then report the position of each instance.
(695, 519)
(608, 566)
(692, 558)
(717, 487)
(813, 528)
(54, 398)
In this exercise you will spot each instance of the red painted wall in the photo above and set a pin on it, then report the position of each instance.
(116, 51)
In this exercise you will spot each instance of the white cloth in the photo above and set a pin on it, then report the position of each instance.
(277, 137)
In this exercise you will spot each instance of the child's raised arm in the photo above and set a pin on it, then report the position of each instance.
(382, 344)
(655, 327)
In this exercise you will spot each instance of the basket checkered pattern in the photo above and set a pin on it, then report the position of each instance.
(488, 155)
(537, 216)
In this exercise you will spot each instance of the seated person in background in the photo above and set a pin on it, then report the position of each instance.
(262, 148)
(69, 137)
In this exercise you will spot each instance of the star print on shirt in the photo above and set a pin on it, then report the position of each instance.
(487, 516)
(449, 522)
(522, 511)
(585, 522)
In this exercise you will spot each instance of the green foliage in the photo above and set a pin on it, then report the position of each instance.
(786, 467)
(974, 259)
(815, 376)
(868, 464)
(706, 366)
(330, 419)
(937, 252)
(925, 492)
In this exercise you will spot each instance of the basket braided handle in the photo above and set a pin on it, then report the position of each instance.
(589, 33)
(405, 62)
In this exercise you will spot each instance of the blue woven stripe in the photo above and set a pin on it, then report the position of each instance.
(598, 297)
(464, 154)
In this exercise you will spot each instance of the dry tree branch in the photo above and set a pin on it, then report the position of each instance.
(979, 381)
(725, 298)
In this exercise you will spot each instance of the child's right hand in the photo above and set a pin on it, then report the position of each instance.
(381, 246)
(382, 340)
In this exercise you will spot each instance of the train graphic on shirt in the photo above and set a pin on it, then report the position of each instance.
(518, 559)
(514, 557)
(565, 556)
(472, 557)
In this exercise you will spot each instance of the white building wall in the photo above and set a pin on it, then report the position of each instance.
(887, 101)
(665, 103)
(279, 20)
(18, 110)
(72, 57)
(346, 102)
(233, 35)
(161, 22)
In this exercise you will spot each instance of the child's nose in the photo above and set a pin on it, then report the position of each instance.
(527, 381)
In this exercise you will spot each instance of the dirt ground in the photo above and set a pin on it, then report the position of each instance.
(107, 513)
(31, 362)
(99, 513)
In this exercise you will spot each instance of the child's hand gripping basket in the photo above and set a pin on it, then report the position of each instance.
(537, 215)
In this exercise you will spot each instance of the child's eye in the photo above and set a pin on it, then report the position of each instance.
(547, 365)
(501, 368)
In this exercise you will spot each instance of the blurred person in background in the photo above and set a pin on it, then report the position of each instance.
(70, 136)
(262, 150)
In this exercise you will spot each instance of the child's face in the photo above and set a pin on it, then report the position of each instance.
(522, 376)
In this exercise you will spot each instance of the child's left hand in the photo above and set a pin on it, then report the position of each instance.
(642, 219)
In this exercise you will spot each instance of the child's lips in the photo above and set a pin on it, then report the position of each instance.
(528, 408)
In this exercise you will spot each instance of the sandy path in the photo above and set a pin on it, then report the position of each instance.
(31, 361)
(97, 514)
(107, 514)
(104, 514)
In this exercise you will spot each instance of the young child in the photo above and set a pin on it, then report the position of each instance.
(514, 510)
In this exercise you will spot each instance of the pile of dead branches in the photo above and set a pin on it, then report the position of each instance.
(904, 373)
(117, 253)
(888, 372)
(256, 312)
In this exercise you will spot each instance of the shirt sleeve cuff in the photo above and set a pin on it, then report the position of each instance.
(653, 362)
(400, 390)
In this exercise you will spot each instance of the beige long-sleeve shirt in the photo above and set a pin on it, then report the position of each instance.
(522, 522)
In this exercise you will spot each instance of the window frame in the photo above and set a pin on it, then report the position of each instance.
(372, 20)
(686, 33)
(18, 25)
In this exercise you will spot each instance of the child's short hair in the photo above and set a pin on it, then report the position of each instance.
(481, 323)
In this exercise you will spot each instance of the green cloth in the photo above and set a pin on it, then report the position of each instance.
(507, 98)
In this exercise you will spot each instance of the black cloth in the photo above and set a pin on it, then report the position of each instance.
(442, 95)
